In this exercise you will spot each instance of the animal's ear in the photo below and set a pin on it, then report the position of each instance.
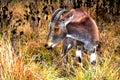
(68, 20)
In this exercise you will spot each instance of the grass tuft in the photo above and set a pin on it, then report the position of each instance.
(23, 56)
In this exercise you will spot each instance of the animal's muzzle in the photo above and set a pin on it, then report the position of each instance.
(48, 47)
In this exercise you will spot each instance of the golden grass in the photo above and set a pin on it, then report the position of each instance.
(34, 62)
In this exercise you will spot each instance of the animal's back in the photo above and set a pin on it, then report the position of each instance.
(83, 25)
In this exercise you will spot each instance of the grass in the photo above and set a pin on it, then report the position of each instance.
(31, 61)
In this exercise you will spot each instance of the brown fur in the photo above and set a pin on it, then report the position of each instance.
(82, 22)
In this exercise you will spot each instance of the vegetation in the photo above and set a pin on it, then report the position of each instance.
(23, 32)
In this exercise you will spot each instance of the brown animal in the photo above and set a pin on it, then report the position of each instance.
(75, 27)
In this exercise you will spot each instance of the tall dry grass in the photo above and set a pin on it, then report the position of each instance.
(29, 60)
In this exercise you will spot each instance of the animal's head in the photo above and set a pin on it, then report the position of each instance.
(57, 28)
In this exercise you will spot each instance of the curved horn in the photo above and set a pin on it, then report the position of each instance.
(55, 13)
(59, 14)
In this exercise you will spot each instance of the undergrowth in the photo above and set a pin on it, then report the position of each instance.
(25, 58)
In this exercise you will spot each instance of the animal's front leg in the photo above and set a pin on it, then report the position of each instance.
(93, 56)
(79, 53)
(68, 43)
(64, 55)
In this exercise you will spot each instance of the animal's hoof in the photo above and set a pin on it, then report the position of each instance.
(93, 62)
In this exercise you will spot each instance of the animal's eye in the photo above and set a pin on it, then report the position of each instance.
(56, 29)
